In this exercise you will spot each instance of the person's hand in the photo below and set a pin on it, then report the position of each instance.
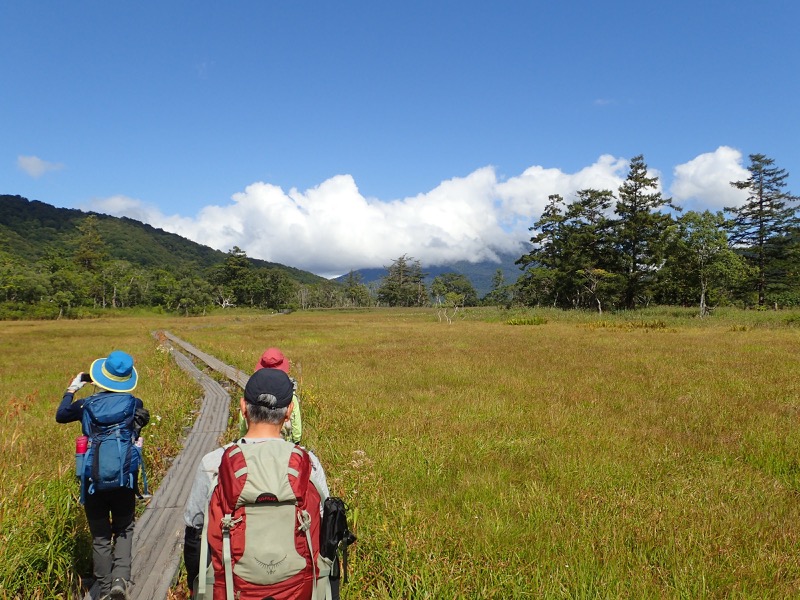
(76, 383)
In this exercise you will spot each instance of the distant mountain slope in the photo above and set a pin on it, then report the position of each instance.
(30, 228)
(479, 273)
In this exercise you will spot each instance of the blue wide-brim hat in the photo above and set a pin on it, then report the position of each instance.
(114, 373)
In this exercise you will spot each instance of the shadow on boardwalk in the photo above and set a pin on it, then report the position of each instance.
(158, 535)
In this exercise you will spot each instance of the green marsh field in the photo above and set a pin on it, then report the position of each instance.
(544, 454)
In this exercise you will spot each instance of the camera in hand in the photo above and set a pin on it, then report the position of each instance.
(86, 377)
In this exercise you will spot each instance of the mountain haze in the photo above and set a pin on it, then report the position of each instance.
(480, 274)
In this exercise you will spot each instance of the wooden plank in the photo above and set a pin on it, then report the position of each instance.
(159, 534)
(237, 376)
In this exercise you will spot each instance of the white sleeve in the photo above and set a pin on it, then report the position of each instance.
(318, 479)
(197, 502)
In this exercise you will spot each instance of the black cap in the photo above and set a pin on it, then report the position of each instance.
(269, 387)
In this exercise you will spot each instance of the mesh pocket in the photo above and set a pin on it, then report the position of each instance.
(270, 554)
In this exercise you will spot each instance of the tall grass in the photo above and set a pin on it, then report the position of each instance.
(569, 459)
(45, 546)
(560, 460)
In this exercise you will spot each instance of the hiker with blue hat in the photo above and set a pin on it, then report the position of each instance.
(111, 419)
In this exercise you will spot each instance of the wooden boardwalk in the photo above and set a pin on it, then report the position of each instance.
(238, 377)
(158, 535)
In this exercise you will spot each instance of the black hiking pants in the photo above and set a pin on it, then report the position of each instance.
(191, 554)
(110, 515)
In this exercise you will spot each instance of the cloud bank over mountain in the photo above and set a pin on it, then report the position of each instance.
(332, 228)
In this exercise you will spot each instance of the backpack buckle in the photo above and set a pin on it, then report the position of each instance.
(304, 520)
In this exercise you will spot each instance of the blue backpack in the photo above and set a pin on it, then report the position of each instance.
(113, 459)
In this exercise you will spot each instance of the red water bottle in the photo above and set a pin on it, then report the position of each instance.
(81, 444)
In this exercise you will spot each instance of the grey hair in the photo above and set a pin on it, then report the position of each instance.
(258, 413)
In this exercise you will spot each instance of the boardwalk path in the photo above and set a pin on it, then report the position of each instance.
(158, 536)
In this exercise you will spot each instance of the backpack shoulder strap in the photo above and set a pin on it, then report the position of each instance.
(202, 575)
(205, 578)
(230, 474)
(300, 468)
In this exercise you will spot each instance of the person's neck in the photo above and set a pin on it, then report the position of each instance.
(263, 430)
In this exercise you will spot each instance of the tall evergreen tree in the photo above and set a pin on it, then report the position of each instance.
(90, 250)
(232, 279)
(640, 230)
(500, 294)
(355, 292)
(591, 257)
(571, 261)
(403, 284)
(540, 280)
(760, 226)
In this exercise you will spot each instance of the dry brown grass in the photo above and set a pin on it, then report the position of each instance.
(553, 460)
(483, 460)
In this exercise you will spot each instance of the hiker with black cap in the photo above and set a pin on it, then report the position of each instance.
(266, 406)
(112, 418)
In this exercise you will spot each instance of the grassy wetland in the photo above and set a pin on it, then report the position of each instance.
(527, 455)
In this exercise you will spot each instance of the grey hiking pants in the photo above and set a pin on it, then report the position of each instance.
(110, 515)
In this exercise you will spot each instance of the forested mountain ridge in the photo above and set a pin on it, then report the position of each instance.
(30, 230)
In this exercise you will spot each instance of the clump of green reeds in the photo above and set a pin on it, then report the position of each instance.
(527, 321)
(628, 325)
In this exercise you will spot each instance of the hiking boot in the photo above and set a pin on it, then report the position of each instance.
(119, 590)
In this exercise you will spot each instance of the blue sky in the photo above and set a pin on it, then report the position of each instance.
(331, 136)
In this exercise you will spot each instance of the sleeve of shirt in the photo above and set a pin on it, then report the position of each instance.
(194, 511)
(319, 480)
(141, 417)
(296, 420)
(69, 411)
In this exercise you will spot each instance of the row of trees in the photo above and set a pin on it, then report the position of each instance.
(404, 285)
(602, 250)
(80, 273)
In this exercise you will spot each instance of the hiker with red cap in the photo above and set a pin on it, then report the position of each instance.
(111, 420)
(272, 358)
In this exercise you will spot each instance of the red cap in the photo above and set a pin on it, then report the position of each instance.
(273, 359)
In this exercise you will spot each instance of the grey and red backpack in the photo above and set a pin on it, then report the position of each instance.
(262, 527)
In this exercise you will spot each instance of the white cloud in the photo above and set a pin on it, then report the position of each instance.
(526, 195)
(332, 228)
(36, 167)
(704, 182)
